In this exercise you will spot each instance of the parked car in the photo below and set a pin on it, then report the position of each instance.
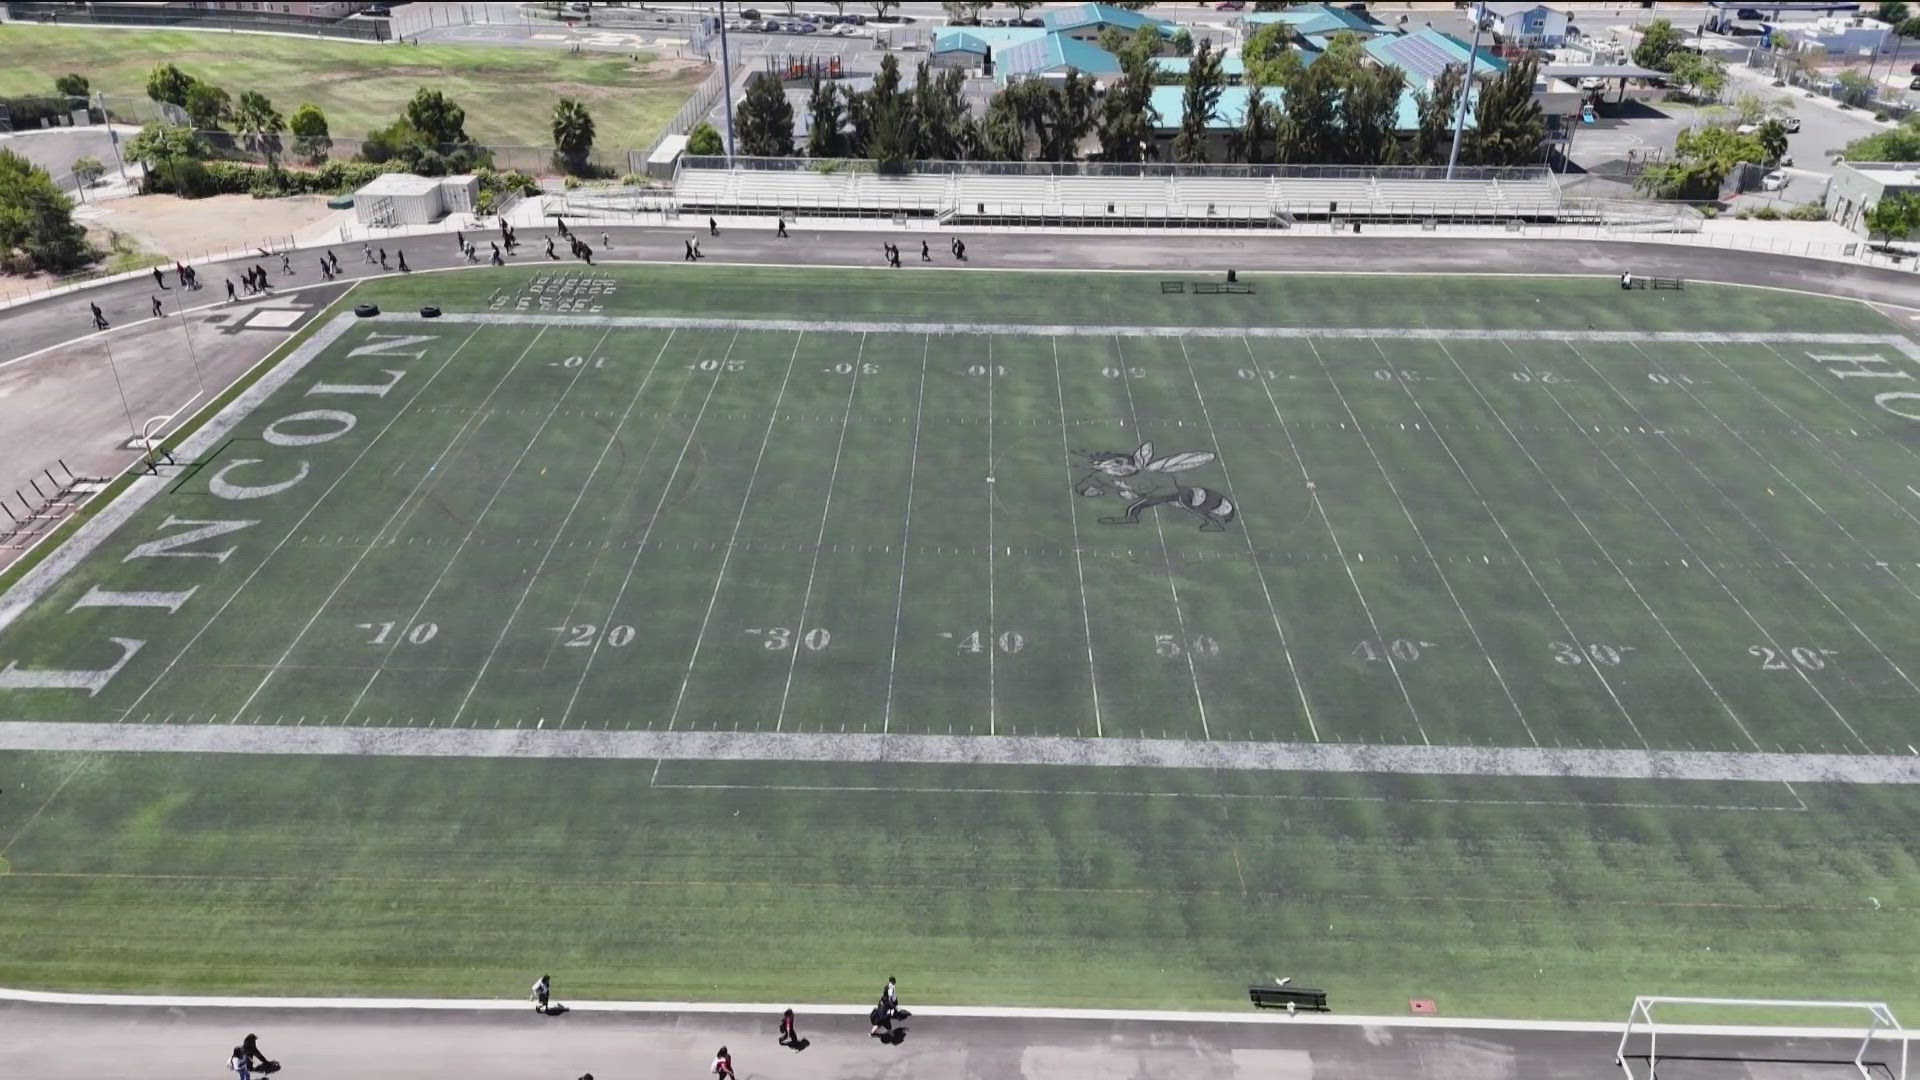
(857, 19)
(1230, 5)
(1791, 123)
(751, 14)
(1748, 14)
(1774, 181)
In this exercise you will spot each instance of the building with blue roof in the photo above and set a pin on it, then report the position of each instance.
(1422, 55)
(1168, 107)
(1319, 20)
(1232, 65)
(971, 46)
(1085, 21)
(1054, 54)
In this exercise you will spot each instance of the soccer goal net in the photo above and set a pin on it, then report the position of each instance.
(1874, 1022)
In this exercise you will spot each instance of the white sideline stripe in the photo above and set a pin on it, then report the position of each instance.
(1513, 761)
(36, 582)
(1397, 333)
(982, 1012)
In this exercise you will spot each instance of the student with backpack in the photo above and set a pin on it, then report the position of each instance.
(541, 989)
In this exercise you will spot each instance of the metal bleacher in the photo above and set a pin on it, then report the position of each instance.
(990, 198)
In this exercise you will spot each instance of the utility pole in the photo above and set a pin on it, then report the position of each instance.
(1466, 93)
(726, 84)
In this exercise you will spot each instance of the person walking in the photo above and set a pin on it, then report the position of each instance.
(159, 278)
(689, 257)
(586, 253)
(497, 260)
(606, 241)
(723, 1065)
(550, 253)
(788, 1035)
(237, 1063)
(697, 253)
(560, 222)
(193, 278)
(402, 257)
(366, 251)
(180, 273)
(890, 997)
(960, 249)
(473, 254)
(780, 227)
(286, 264)
(100, 319)
(542, 989)
(334, 259)
(459, 240)
(158, 311)
(260, 275)
(924, 256)
(882, 1021)
(325, 270)
(713, 227)
(383, 258)
(230, 296)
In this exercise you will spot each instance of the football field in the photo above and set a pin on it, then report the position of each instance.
(1520, 643)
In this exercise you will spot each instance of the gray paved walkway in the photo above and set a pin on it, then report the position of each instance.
(44, 1042)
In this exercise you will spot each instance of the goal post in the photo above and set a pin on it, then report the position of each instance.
(1880, 1024)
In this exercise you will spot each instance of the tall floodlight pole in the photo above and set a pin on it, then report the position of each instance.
(1466, 92)
(115, 368)
(726, 83)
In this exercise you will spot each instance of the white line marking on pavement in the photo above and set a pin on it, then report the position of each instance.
(906, 532)
(1079, 568)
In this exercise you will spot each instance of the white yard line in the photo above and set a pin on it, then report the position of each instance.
(639, 549)
(1108, 330)
(720, 577)
(506, 477)
(1835, 456)
(613, 438)
(980, 1012)
(1079, 568)
(1253, 555)
(1166, 555)
(993, 712)
(294, 530)
(1346, 561)
(819, 540)
(1065, 751)
(906, 532)
(1419, 533)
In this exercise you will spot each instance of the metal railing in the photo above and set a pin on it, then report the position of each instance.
(194, 18)
(1153, 169)
(25, 290)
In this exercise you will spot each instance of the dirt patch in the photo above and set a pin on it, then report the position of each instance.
(186, 228)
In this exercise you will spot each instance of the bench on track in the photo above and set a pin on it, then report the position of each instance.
(1221, 287)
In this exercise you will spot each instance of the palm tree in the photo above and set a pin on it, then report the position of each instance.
(259, 124)
(572, 133)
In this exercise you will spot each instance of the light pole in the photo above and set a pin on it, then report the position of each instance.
(726, 85)
(132, 431)
(193, 355)
(1466, 92)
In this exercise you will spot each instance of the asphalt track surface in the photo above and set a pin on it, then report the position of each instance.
(159, 1043)
(48, 322)
(163, 1043)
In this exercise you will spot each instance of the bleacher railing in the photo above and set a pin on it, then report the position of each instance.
(1151, 169)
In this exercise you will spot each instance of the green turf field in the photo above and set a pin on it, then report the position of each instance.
(362, 86)
(770, 514)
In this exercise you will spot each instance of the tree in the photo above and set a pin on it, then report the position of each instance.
(1894, 217)
(1854, 88)
(1772, 136)
(430, 138)
(1439, 108)
(881, 7)
(433, 114)
(1752, 108)
(259, 125)
(1369, 112)
(826, 121)
(1255, 140)
(1658, 44)
(1003, 137)
(704, 141)
(763, 122)
(1021, 7)
(1182, 42)
(1703, 77)
(1198, 104)
(86, 170)
(1909, 29)
(169, 84)
(1891, 12)
(37, 230)
(1899, 144)
(158, 144)
(311, 139)
(1508, 126)
(1263, 49)
(209, 106)
(1700, 163)
(1049, 118)
(1309, 115)
(572, 133)
(1126, 121)
(964, 11)
(939, 106)
(73, 85)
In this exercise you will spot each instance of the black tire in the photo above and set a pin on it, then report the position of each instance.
(429, 312)
(366, 311)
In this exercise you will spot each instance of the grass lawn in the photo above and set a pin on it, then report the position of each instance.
(1472, 514)
(361, 86)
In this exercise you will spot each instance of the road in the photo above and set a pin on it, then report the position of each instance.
(132, 1043)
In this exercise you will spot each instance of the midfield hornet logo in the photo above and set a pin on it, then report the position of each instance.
(1146, 483)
